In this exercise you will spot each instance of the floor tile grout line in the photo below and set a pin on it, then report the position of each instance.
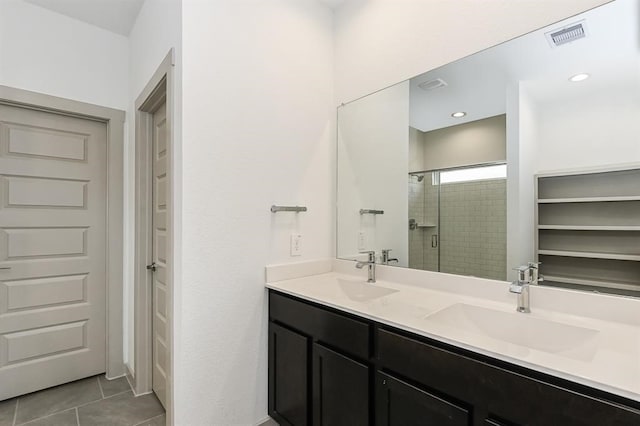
(15, 411)
(76, 408)
(106, 397)
(151, 418)
(119, 393)
(100, 386)
(44, 417)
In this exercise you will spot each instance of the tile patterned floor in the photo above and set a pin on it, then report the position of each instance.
(93, 401)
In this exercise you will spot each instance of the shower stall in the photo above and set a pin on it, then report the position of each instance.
(458, 222)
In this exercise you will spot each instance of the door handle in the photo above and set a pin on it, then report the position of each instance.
(152, 267)
(5, 267)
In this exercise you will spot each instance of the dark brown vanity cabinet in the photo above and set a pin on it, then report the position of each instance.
(331, 368)
(319, 371)
(497, 392)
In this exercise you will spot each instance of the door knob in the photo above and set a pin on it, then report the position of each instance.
(152, 267)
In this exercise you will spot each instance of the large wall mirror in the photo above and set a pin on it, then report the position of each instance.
(527, 151)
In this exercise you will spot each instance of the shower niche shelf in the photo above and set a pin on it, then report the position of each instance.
(588, 229)
(426, 225)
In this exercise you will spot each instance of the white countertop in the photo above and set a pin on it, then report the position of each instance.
(608, 360)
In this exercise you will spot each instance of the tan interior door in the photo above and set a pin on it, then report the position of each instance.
(160, 254)
(52, 249)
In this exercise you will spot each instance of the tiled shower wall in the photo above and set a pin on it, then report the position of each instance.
(473, 233)
(473, 227)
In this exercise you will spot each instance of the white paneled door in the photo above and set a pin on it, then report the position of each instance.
(160, 254)
(52, 249)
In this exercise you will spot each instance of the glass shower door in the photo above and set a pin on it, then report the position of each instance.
(424, 215)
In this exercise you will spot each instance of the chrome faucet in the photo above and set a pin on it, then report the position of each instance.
(371, 264)
(527, 275)
(385, 257)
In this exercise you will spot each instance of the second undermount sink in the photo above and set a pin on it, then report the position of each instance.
(362, 291)
(519, 329)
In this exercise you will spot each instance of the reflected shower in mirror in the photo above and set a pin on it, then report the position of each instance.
(455, 158)
(461, 221)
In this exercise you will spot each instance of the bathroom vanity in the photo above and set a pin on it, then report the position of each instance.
(522, 154)
(346, 352)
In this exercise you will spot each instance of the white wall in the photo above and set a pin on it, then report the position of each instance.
(593, 130)
(380, 43)
(523, 153)
(373, 166)
(475, 142)
(157, 30)
(416, 149)
(46, 52)
(258, 129)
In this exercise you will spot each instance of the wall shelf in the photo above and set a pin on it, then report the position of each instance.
(587, 199)
(590, 255)
(591, 283)
(587, 226)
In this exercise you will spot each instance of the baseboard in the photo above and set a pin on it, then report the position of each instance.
(267, 421)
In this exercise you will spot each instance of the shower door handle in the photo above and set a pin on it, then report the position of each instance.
(434, 240)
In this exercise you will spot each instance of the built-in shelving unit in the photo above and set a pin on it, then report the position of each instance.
(588, 229)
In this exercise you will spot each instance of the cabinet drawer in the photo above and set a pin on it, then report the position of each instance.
(335, 330)
(505, 394)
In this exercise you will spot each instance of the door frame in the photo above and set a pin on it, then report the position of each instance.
(158, 89)
(114, 120)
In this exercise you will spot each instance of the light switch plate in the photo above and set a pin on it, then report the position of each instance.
(362, 241)
(296, 244)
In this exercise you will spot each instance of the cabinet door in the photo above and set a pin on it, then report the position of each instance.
(401, 404)
(288, 376)
(340, 389)
(492, 422)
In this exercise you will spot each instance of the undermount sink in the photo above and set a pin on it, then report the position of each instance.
(363, 291)
(519, 329)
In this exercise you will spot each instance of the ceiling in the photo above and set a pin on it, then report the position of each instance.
(478, 84)
(117, 16)
(333, 4)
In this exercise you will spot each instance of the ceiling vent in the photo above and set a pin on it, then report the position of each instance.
(567, 34)
(433, 84)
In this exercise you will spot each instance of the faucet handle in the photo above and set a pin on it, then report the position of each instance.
(524, 272)
(534, 264)
(371, 253)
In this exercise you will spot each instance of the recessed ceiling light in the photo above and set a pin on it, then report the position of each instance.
(459, 114)
(579, 77)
